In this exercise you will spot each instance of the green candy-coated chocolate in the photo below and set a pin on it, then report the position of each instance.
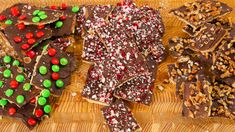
(47, 109)
(41, 13)
(36, 12)
(3, 102)
(42, 101)
(43, 17)
(59, 24)
(46, 93)
(20, 99)
(43, 70)
(7, 73)
(47, 83)
(75, 9)
(26, 86)
(16, 63)
(59, 83)
(20, 78)
(64, 61)
(8, 22)
(7, 59)
(9, 92)
(1, 84)
(35, 19)
(55, 68)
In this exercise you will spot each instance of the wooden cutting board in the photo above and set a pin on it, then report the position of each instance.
(72, 113)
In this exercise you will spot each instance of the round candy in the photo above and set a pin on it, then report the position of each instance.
(8, 22)
(64, 61)
(7, 73)
(1, 84)
(63, 6)
(41, 26)
(9, 92)
(40, 34)
(21, 26)
(59, 83)
(43, 70)
(55, 76)
(7, 59)
(47, 109)
(11, 111)
(14, 84)
(55, 68)
(25, 46)
(43, 16)
(20, 78)
(22, 17)
(36, 12)
(32, 122)
(47, 83)
(20, 99)
(33, 100)
(53, 7)
(31, 41)
(35, 19)
(42, 101)
(15, 63)
(3, 102)
(17, 39)
(29, 35)
(41, 13)
(46, 93)
(31, 54)
(51, 52)
(58, 24)
(39, 113)
(75, 9)
(55, 61)
(2, 17)
(26, 86)
(62, 18)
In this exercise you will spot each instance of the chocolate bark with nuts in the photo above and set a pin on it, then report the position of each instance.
(119, 117)
(200, 12)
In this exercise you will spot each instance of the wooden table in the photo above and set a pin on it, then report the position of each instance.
(72, 113)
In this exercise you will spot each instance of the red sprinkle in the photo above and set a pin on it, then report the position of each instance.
(33, 100)
(25, 46)
(55, 61)
(32, 122)
(38, 113)
(17, 39)
(31, 41)
(29, 35)
(15, 11)
(11, 111)
(14, 84)
(51, 52)
(22, 17)
(41, 26)
(55, 76)
(63, 6)
(53, 7)
(31, 54)
(2, 17)
(40, 34)
(62, 18)
(21, 26)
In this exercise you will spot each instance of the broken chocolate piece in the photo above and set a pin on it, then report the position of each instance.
(119, 118)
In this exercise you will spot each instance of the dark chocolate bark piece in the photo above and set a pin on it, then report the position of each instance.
(22, 40)
(200, 12)
(119, 117)
(53, 69)
(39, 16)
(196, 97)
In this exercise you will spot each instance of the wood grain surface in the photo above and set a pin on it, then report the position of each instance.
(72, 113)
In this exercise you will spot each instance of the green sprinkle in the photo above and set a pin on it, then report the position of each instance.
(16, 63)
(46, 93)
(47, 83)
(1, 84)
(41, 13)
(36, 12)
(64, 61)
(8, 22)
(35, 19)
(20, 78)
(26, 87)
(20, 99)
(42, 101)
(43, 70)
(55, 68)
(3, 102)
(9, 92)
(47, 109)
(43, 17)
(7, 59)
(59, 83)
(75, 9)
(58, 24)
(7, 73)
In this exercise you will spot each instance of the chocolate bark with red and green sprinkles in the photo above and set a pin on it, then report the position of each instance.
(53, 69)
(120, 118)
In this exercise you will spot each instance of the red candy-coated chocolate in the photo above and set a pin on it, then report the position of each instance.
(55, 76)
(15, 11)
(17, 39)
(63, 6)
(41, 26)
(31, 41)
(62, 18)
(39, 113)
(14, 84)
(11, 111)
(31, 54)
(21, 26)
(53, 7)
(22, 17)
(32, 121)
(55, 61)
(2, 17)
(51, 52)
(29, 35)
(40, 34)
(25, 46)
(33, 100)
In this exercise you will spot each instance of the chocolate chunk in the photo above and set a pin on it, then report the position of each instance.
(200, 12)
(119, 117)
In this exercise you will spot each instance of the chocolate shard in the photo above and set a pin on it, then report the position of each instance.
(119, 117)
(200, 12)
